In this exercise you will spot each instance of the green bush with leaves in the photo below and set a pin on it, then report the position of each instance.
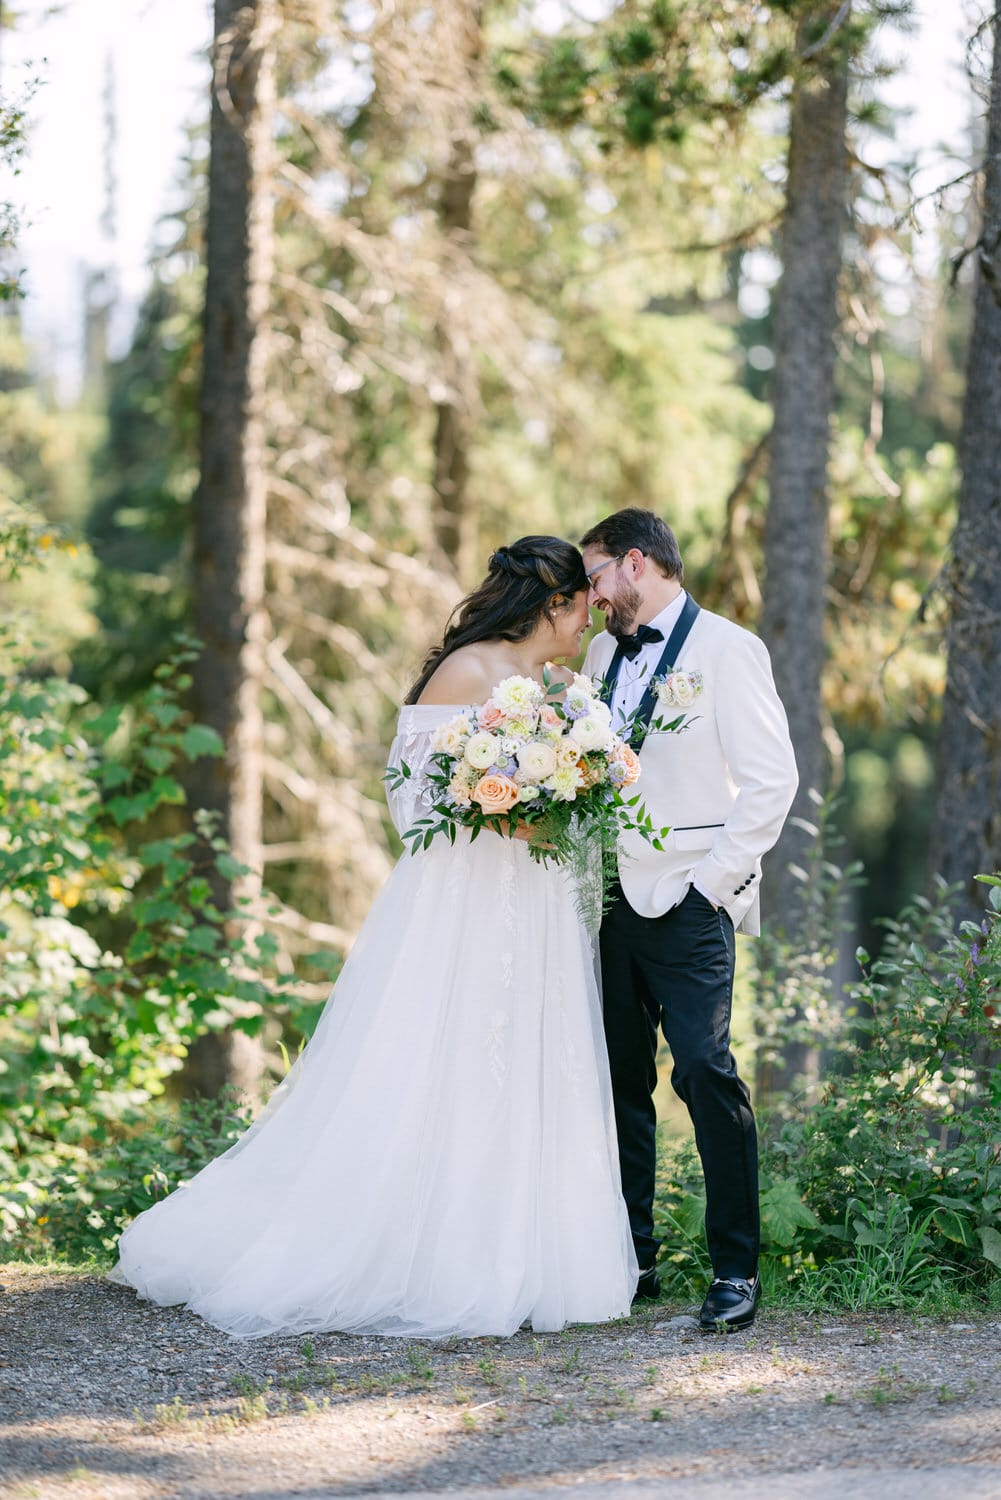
(86, 1207)
(887, 1190)
(900, 1161)
(113, 957)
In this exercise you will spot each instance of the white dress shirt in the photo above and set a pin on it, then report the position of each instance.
(634, 679)
(634, 676)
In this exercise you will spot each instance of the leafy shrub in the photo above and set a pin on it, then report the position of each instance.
(113, 958)
(904, 1148)
(887, 1191)
(85, 1209)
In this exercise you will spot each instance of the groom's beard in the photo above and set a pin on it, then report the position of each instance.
(620, 616)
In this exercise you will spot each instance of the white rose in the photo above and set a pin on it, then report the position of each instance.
(537, 760)
(591, 734)
(481, 750)
(529, 793)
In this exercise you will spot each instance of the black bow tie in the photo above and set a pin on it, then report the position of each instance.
(632, 645)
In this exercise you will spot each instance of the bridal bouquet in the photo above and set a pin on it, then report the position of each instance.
(540, 755)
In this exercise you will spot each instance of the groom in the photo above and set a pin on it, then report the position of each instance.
(723, 786)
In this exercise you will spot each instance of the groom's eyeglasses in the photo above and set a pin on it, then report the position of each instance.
(606, 564)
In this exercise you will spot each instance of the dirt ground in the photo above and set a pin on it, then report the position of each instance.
(105, 1396)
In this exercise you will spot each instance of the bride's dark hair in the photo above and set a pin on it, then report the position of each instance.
(533, 577)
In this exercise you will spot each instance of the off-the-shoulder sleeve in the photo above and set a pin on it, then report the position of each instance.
(412, 747)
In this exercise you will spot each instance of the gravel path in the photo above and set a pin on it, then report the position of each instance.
(104, 1396)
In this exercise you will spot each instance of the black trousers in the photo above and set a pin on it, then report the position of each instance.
(676, 971)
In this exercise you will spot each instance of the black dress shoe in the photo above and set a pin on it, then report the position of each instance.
(731, 1303)
(648, 1286)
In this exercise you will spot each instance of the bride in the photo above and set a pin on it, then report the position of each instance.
(441, 1159)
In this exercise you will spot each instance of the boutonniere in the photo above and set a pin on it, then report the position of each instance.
(677, 689)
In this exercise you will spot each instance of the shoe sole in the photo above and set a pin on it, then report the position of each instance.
(728, 1325)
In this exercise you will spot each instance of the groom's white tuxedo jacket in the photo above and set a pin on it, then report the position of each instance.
(723, 785)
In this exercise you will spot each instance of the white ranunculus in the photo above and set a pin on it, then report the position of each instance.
(681, 686)
(481, 750)
(679, 689)
(537, 760)
(591, 734)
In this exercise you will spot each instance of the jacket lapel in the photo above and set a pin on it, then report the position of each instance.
(670, 654)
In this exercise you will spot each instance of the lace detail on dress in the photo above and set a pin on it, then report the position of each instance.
(412, 746)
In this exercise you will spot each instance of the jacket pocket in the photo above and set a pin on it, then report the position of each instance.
(695, 838)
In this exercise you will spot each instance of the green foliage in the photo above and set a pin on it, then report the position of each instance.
(645, 74)
(653, 70)
(113, 958)
(85, 1207)
(886, 1192)
(13, 122)
(900, 1159)
(143, 478)
(795, 999)
(679, 1220)
(41, 449)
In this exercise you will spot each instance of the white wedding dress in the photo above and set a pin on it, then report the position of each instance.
(441, 1159)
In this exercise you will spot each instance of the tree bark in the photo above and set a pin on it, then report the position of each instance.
(796, 541)
(230, 502)
(966, 824)
(453, 521)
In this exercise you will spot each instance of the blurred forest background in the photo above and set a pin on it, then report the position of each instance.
(447, 272)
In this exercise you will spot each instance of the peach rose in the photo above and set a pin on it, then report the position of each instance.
(549, 718)
(489, 716)
(626, 756)
(495, 794)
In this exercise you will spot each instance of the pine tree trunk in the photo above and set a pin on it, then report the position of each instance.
(454, 523)
(230, 502)
(966, 826)
(796, 541)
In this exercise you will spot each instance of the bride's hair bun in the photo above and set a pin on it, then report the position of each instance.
(504, 561)
(532, 559)
(524, 583)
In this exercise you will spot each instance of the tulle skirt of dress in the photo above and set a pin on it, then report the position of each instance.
(441, 1159)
